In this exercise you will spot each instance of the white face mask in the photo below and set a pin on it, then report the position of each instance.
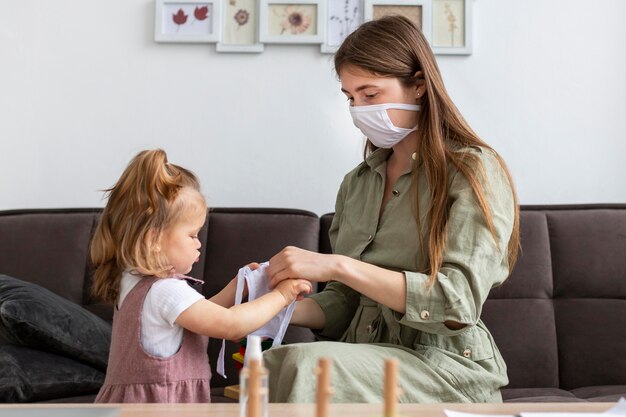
(374, 122)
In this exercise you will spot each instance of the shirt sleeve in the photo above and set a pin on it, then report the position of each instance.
(337, 301)
(473, 262)
(170, 297)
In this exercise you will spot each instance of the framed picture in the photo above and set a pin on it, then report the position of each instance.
(187, 21)
(342, 18)
(452, 27)
(240, 22)
(289, 21)
(419, 11)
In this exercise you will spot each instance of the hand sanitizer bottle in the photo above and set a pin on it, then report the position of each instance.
(253, 382)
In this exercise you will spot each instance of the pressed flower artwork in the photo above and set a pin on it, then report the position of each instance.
(187, 18)
(187, 21)
(240, 17)
(292, 19)
(449, 23)
(344, 16)
(413, 12)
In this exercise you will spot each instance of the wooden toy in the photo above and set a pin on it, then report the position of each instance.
(324, 390)
(255, 374)
(391, 388)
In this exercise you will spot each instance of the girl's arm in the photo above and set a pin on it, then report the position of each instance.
(210, 319)
(226, 297)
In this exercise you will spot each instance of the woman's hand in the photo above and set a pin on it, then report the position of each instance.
(381, 285)
(293, 262)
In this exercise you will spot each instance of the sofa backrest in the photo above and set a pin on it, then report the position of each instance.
(588, 247)
(558, 320)
(563, 309)
(49, 248)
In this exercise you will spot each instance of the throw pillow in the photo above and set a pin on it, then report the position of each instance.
(35, 317)
(28, 375)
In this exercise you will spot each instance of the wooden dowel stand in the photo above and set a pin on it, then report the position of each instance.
(255, 374)
(324, 391)
(391, 387)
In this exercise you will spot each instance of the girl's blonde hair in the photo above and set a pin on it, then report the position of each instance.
(149, 197)
(394, 47)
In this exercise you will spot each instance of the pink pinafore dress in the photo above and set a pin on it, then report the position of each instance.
(135, 376)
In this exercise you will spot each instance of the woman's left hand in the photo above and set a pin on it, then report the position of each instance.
(293, 262)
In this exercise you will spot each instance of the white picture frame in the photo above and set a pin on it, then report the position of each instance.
(187, 21)
(370, 12)
(240, 27)
(292, 21)
(448, 16)
(342, 18)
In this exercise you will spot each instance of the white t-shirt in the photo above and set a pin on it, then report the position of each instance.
(166, 299)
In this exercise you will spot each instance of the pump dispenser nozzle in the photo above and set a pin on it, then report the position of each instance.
(253, 348)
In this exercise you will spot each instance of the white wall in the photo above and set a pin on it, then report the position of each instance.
(83, 87)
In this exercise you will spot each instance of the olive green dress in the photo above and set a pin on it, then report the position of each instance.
(437, 364)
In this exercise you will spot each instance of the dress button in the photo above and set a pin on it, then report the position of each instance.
(395, 192)
(424, 314)
(467, 352)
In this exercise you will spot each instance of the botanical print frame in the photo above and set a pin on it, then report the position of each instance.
(422, 7)
(240, 31)
(452, 27)
(187, 21)
(342, 18)
(292, 21)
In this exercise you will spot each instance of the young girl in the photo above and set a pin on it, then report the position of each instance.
(145, 242)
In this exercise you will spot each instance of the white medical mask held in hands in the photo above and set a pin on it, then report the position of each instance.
(375, 123)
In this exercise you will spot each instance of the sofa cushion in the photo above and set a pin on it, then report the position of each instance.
(588, 253)
(55, 241)
(601, 394)
(35, 317)
(592, 342)
(532, 274)
(536, 395)
(28, 375)
(524, 332)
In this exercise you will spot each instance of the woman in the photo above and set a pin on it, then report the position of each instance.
(423, 229)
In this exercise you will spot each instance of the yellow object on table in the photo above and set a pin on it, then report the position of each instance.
(232, 391)
(238, 357)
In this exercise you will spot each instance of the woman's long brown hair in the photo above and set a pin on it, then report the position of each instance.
(394, 47)
(151, 195)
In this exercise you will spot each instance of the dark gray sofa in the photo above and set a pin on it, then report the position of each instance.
(559, 320)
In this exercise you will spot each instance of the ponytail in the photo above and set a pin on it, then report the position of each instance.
(140, 206)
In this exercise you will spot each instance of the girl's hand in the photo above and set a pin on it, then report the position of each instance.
(292, 289)
(293, 262)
